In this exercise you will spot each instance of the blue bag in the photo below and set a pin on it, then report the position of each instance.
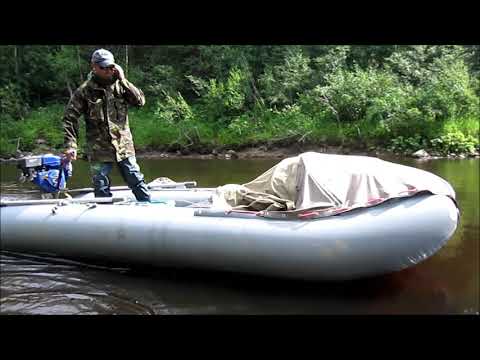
(53, 174)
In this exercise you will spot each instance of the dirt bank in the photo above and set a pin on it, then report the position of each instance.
(259, 152)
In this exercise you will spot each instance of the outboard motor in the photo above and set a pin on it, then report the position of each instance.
(49, 172)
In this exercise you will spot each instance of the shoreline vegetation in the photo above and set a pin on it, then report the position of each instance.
(41, 133)
(257, 101)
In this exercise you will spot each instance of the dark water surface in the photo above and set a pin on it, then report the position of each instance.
(447, 283)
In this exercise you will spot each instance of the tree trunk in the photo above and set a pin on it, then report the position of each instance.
(15, 56)
(256, 94)
(69, 88)
(126, 60)
(79, 65)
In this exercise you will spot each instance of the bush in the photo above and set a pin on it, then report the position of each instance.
(174, 125)
(223, 101)
(42, 123)
(12, 103)
(281, 84)
(417, 64)
(173, 109)
(334, 59)
(456, 143)
(150, 133)
(457, 136)
(158, 81)
(406, 145)
(269, 126)
(448, 93)
(357, 95)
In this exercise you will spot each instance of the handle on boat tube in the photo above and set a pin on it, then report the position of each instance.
(106, 200)
(186, 184)
(226, 213)
(176, 186)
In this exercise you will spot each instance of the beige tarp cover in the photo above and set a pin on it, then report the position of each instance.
(319, 181)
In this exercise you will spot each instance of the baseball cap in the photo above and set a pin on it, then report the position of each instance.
(103, 58)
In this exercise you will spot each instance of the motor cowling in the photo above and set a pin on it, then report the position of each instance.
(49, 172)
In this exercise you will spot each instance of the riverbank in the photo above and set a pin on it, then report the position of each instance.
(263, 152)
(268, 135)
(260, 152)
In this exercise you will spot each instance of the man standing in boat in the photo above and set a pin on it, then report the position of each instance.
(103, 101)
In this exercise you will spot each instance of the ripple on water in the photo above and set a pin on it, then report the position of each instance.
(35, 287)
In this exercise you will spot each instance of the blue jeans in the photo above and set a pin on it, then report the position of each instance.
(130, 172)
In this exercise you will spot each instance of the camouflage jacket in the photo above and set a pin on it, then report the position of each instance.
(105, 110)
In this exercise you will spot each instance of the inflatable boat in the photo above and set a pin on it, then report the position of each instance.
(189, 227)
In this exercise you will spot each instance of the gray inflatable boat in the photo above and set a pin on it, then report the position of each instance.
(194, 228)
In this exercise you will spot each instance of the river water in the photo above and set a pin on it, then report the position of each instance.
(447, 283)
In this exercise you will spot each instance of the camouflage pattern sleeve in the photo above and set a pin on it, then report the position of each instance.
(73, 111)
(132, 94)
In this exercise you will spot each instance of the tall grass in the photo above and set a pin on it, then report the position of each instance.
(469, 126)
(42, 123)
(261, 126)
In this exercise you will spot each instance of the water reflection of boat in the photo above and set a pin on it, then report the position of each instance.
(191, 227)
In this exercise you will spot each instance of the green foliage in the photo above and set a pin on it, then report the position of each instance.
(173, 126)
(42, 123)
(67, 72)
(356, 95)
(457, 136)
(417, 64)
(271, 126)
(159, 80)
(369, 55)
(332, 61)
(150, 132)
(241, 127)
(448, 93)
(201, 96)
(173, 109)
(407, 145)
(452, 142)
(467, 125)
(12, 104)
(224, 100)
(281, 84)
(8, 136)
(456, 143)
